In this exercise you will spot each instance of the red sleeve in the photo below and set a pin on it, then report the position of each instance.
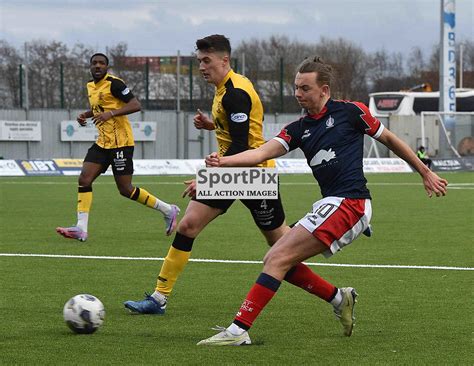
(364, 121)
(290, 135)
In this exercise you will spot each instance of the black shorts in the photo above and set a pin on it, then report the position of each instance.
(267, 214)
(120, 158)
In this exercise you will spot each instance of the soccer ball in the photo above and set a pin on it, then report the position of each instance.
(84, 313)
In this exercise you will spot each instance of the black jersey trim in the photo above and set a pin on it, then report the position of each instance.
(117, 87)
(237, 101)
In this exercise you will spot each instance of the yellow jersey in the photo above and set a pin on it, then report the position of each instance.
(111, 93)
(237, 113)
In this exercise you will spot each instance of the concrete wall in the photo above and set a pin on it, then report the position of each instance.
(178, 139)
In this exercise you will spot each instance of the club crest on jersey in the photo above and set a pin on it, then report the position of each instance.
(330, 122)
(238, 117)
(321, 156)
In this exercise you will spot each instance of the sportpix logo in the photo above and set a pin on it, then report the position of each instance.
(234, 183)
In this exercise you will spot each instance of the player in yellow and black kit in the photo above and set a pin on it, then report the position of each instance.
(237, 116)
(111, 101)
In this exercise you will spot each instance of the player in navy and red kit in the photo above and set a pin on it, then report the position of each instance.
(331, 136)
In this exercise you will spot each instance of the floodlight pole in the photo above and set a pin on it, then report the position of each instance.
(423, 137)
(147, 84)
(27, 98)
(178, 100)
(20, 75)
(178, 81)
(447, 69)
(461, 49)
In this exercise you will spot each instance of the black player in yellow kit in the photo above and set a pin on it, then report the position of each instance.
(237, 116)
(111, 101)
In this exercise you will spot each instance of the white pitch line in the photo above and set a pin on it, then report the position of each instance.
(451, 185)
(69, 256)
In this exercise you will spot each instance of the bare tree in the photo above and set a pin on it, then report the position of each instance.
(271, 64)
(420, 74)
(385, 71)
(44, 72)
(468, 63)
(263, 66)
(350, 64)
(132, 74)
(76, 75)
(10, 89)
(416, 63)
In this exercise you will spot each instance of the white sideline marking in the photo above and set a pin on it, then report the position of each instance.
(69, 256)
(138, 182)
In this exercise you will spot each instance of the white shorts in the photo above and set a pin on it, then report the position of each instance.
(336, 221)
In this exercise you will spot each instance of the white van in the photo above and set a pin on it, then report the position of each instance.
(407, 103)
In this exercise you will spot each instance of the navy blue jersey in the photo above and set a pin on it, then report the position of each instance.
(333, 144)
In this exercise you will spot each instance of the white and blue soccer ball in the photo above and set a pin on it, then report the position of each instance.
(84, 313)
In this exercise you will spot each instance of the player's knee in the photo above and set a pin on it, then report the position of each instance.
(84, 181)
(276, 260)
(188, 227)
(125, 191)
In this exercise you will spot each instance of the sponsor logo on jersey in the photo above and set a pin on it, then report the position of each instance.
(305, 134)
(321, 156)
(238, 117)
(330, 122)
(125, 91)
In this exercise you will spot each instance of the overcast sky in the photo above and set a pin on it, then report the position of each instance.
(163, 27)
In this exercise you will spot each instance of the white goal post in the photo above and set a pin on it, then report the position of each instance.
(456, 127)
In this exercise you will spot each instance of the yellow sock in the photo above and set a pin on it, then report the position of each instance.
(144, 197)
(173, 265)
(84, 199)
(84, 203)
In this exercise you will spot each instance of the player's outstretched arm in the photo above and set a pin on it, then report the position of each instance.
(271, 149)
(432, 182)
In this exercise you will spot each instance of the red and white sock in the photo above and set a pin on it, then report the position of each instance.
(258, 297)
(302, 276)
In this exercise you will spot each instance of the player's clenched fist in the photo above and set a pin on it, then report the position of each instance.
(81, 119)
(201, 121)
(212, 160)
(190, 190)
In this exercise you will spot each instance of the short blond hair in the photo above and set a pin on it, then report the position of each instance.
(324, 73)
